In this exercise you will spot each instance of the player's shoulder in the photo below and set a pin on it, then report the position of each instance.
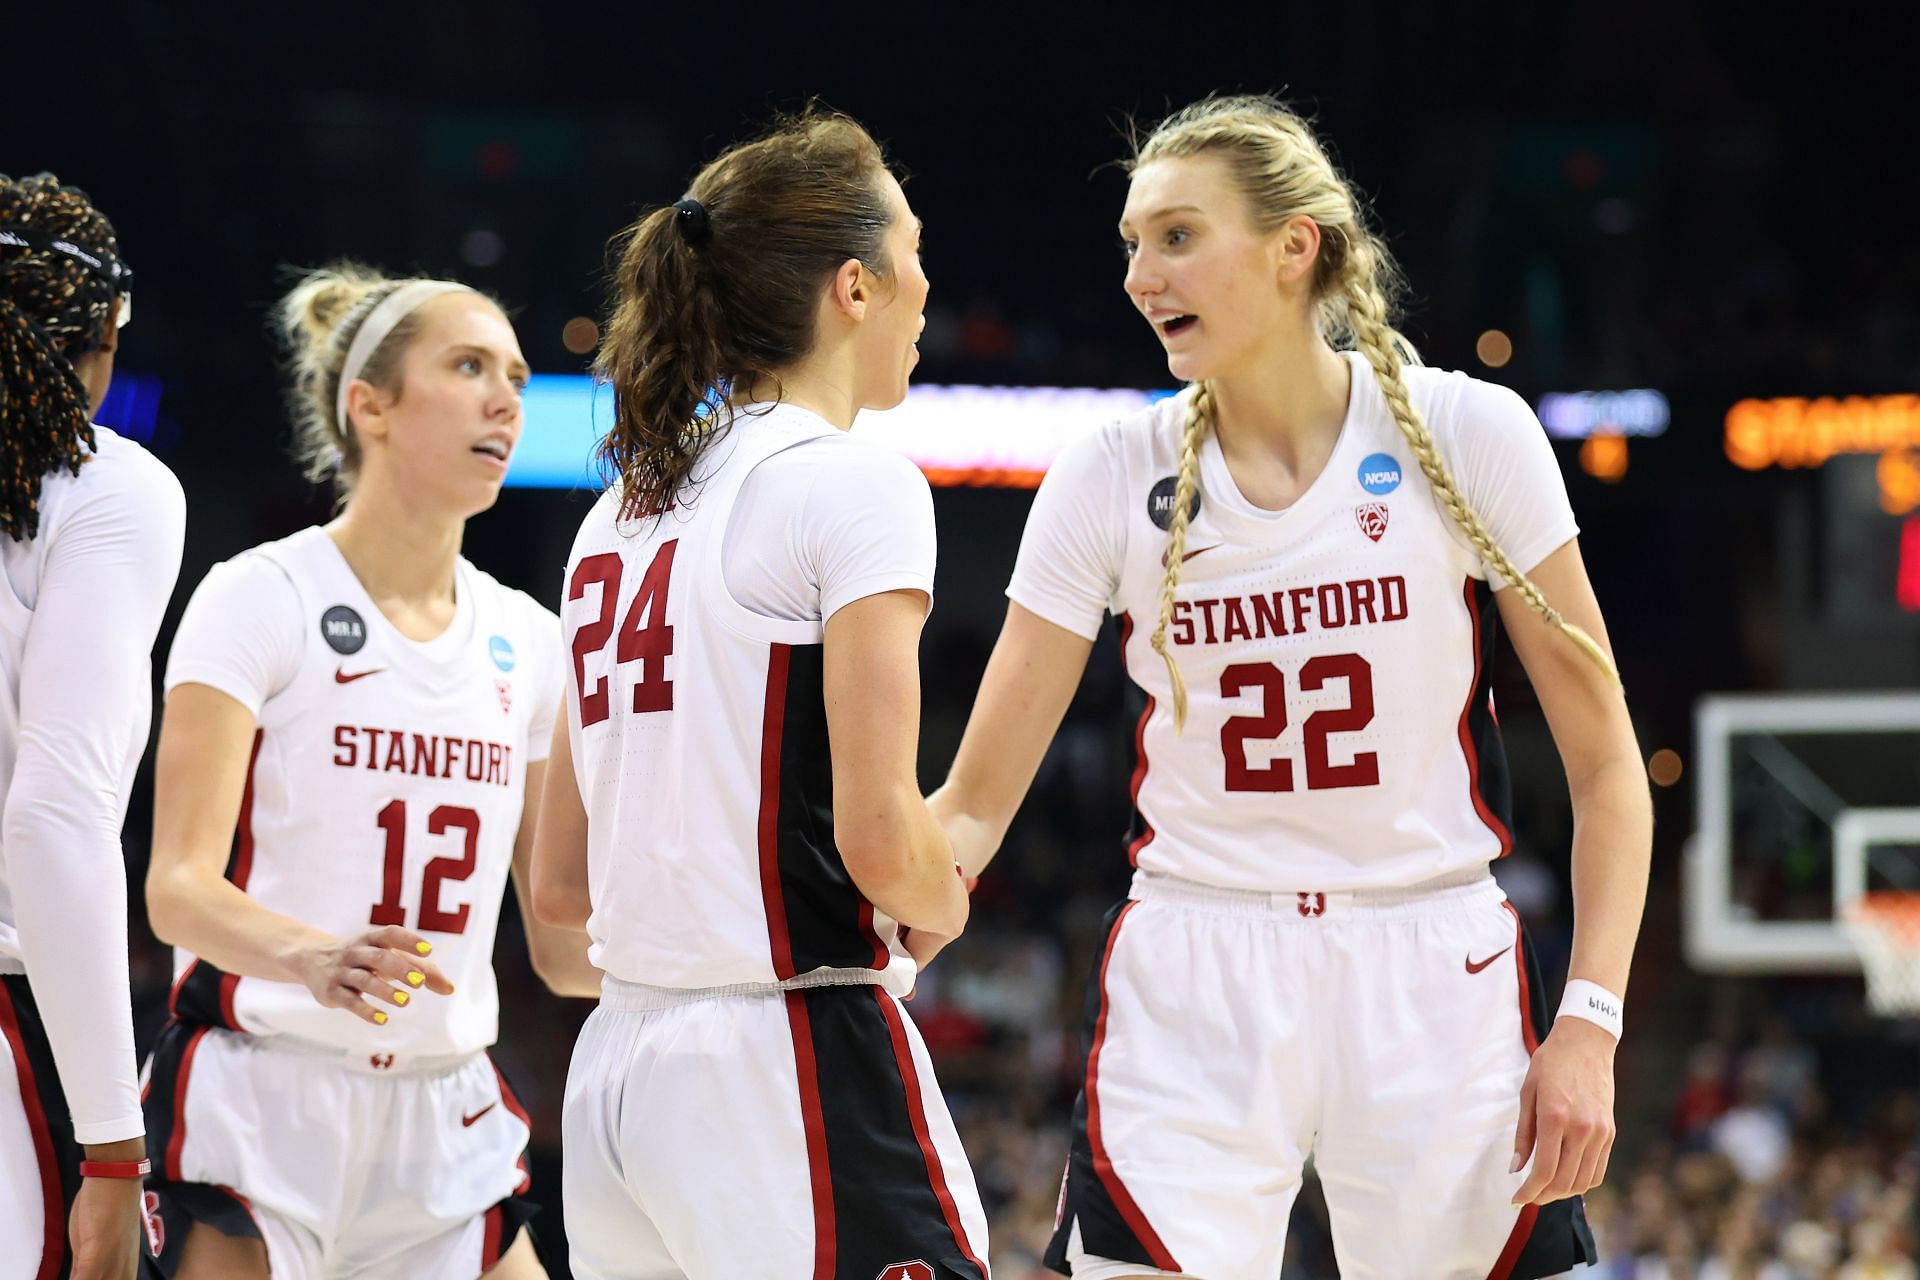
(1140, 444)
(1457, 404)
(120, 476)
(506, 606)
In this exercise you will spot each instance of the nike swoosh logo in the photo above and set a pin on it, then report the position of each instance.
(340, 676)
(1190, 555)
(1475, 968)
(466, 1122)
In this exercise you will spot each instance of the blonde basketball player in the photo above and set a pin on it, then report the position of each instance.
(1313, 960)
(92, 528)
(360, 715)
(731, 806)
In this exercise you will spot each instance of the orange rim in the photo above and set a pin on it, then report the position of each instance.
(1892, 911)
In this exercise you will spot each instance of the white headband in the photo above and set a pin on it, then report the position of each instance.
(380, 322)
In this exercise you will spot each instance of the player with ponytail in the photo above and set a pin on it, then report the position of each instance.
(92, 527)
(1309, 552)
(349, 771)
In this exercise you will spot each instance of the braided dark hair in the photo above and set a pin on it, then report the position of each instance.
(54, 309)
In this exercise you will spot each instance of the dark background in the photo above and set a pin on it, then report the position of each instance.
(1687, 196)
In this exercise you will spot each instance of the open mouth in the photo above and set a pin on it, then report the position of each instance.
(1178, 325)
(495, 449)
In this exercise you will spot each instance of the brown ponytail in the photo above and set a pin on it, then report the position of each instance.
(710, 300)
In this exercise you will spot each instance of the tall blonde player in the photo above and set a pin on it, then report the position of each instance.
(361, 716)
(1313, 959)
(732, 807)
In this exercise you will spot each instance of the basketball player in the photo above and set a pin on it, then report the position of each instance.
(93, 527)
(1313, 959)
(361, 716)
(733, 796)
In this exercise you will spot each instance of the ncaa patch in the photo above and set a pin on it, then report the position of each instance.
(1373, 519)
(1160, 502)
(501, 652)
(914, 1270)
(343, 630)
(1380, 473)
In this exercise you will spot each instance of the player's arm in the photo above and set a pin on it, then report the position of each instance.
(1567, 1106)
(1030, 679)
(199, 776)
(84, 698)
(558, 951)
(893, 848)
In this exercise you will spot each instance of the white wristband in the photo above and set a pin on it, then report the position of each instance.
(1595, 1003)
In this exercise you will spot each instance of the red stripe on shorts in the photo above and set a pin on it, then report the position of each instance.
(1102, 1165)
(917, 1113)
(490, 1241)
(178, 1139)
(1476, 694)
(807, 1069)
(53, 1243)
(508, 1096)
(1523, 1227)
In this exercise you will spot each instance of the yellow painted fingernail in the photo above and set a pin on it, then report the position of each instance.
(415, 979)
(424, 948)
(400, 997)
(380, 1017)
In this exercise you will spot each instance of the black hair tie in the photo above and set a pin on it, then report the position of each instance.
(692, 221)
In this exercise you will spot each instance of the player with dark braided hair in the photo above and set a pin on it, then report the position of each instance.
(94, 526)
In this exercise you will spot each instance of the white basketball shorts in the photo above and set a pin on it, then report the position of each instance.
(1232, 1035)
(722, 1134)
(343, 1165)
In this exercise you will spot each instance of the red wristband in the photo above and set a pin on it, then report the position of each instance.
(127, 1169)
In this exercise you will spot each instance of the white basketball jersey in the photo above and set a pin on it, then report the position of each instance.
(700, 743)
(1340, 730)
(385, 788)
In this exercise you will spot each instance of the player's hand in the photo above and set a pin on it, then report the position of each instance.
(373, 973)
(105, 1230)
(924, 944)
(1566, 1113)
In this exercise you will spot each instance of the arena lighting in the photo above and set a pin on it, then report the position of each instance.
(958, 435)
(132, 406)
(1581, 415)
(1798, 432)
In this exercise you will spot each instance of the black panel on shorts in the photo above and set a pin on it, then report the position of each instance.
(1561, 1237)
(52, 1098)
(885, 1208)
(1104, 1231)
(824, 910)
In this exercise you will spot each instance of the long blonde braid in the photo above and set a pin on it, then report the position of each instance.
(1199, 420)
(1285, 173)
(1379, 344)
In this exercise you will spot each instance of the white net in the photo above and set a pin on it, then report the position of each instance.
(1886, 928)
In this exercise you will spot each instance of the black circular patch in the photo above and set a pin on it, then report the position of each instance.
(343, 629)
(1160, 502)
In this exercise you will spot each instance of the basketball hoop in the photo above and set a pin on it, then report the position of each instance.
(1885, 926)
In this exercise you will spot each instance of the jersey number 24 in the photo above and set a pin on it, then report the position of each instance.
(645, 635)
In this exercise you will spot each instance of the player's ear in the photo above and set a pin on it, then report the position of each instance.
(850, 289)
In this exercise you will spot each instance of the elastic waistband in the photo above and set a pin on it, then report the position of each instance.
(365, 1061)
(1469, 885)
(637, 997)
